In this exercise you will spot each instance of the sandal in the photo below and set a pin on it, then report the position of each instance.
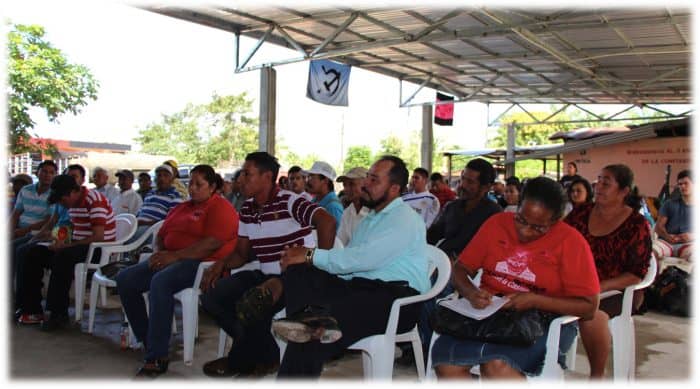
(255, 305)
(152, 368)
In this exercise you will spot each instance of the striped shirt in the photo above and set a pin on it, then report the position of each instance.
(158, 204)
(283, 221)
(425, 204)
(33, 207)
(92, 210)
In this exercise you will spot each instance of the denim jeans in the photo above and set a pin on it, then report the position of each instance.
(153, 329)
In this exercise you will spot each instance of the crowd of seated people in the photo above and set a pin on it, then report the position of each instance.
(594, 240)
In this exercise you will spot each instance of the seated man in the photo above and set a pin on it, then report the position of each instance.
(144, 185)
(336, 297)
(461, 219)
(270, 220)
(441, 190)
(297, 182)
(93, 221)
(420, 199)
(355, 212)
(673, 226)
(128, 200)
(159, 201)
(100, 178)
(319, 182)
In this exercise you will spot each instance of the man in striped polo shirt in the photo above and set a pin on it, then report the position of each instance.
(32, 208)
(158, 201)
(93, 221)
(270, 220)
(420, 199)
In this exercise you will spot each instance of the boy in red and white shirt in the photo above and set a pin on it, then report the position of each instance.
(93, 221)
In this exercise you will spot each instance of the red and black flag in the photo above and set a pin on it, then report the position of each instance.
(445, 111)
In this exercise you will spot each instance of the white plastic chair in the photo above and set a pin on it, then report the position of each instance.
(100, 283)
(622, 327)
(189, 298)
(378, 350)
(126, 227)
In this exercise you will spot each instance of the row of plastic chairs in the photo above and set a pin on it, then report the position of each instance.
(378, 351)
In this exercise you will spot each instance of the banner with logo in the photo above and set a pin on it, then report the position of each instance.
(328, 82)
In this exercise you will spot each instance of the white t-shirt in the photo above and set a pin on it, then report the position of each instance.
(349, 221)
(425, 203)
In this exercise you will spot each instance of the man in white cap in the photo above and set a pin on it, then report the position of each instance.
(319, 182)
(128, 201)
(355, 212)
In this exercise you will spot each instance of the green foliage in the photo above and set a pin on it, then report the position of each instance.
(409, 151)
(358, 156)
(40, 76)
(536, 134)
(215, 133)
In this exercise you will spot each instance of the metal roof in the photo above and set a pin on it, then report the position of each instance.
(671, 128)
(491, 55)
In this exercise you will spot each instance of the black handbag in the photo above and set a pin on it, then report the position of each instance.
(506, 326)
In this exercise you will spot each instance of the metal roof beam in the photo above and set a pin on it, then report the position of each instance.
(257, 46)
(420, 87)
(438, 23)
(335, 34)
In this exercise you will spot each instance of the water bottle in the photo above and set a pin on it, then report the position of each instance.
(124, 339)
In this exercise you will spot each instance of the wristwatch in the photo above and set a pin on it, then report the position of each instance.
(309, 256)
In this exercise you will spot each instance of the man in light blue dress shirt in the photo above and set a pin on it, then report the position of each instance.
(338, 296)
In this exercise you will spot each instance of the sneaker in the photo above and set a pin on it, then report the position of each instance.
(30, 318)
(54, 322)
(218, 368)
(309, 324)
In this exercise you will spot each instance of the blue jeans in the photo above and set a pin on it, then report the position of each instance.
(153, 328)
(19, 246)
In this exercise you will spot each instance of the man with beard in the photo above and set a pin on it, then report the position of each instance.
(461, 218)
(325, 290)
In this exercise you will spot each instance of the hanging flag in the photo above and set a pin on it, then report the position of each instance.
(328, 82)
(444, 112)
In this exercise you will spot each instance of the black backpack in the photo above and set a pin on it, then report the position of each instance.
(670, 292)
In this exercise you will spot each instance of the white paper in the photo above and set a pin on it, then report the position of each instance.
(465, 308)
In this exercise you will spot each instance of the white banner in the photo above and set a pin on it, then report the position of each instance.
(328, 82)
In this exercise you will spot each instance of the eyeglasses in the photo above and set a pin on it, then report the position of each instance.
(536, 227)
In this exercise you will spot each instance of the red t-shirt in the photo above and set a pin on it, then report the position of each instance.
(93, 209)
(558, 264)
(444, 196)
(188, 223)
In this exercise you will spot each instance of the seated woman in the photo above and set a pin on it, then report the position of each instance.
(204, 228)
(512, 194)
(537, 261)
(579, 193)
(620, 240)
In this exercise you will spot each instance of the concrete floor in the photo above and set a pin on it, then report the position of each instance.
(663, 344)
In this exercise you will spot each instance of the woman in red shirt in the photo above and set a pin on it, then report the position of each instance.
(204, 228)
(537, 261)
(620, 240)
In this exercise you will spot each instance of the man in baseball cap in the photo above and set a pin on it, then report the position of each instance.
(355, 212)
(319, 182)
(128, 200)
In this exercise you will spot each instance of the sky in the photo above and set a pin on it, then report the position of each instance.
(149, 64)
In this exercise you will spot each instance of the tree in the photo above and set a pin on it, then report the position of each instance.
(215, 133)
(40, 76)
(358, 156)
